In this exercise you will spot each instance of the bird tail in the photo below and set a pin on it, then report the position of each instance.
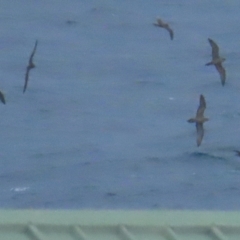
(209, 63)
(191, 120)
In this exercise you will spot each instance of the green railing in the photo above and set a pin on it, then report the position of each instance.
(116, 225)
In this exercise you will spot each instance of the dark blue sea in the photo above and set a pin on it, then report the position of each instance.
(102, 124)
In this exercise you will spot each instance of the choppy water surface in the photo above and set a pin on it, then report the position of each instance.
(103, 121)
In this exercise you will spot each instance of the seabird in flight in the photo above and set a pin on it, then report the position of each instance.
(199, 120)
(162, 24)
(217, 61)
(30, 66)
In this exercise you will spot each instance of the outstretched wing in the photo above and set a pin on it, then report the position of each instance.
(237, 152)
(200, 133)
(170, 32)
(33, 52)
(26, 79)
(215, 49)
(222, 72)
(202, 107)
(2, 98)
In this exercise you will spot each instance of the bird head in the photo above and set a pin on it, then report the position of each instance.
(205, 119)
(223, 59)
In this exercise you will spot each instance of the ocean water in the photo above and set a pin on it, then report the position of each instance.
(102, 124)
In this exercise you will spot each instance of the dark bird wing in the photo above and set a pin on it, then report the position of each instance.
(200, 133)
(26, 79)
(215, 49)
(33, 52)
(222, 72)
(202, 107)
(170, 32)
(2, 98)
(237, 152)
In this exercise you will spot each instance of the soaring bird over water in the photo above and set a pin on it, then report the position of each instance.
(199, 120)
(217, 61)
(30, 66)
(162, 24)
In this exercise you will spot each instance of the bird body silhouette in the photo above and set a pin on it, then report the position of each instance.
(199, 120)
(30, 66)
(217, 61)
(162, 24)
